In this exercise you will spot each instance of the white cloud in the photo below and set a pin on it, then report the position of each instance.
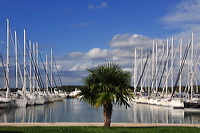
(74, 68)
(101, 5)
(97, 53)
(122, 53)
(183, 15)
(76, 54)
(81, 67)
(131, 41)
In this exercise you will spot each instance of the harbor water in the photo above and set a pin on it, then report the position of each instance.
(72, 110)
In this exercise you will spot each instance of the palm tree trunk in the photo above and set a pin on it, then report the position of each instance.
(107, 113)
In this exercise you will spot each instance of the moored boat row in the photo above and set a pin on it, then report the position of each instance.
(166, 79)
(176, 103)
(36, 93)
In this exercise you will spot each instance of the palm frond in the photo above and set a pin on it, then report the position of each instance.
(106, 83)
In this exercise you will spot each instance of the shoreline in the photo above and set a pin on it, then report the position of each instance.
(57, 124)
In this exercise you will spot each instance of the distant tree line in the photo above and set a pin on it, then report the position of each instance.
(66, 88)
(69, 88)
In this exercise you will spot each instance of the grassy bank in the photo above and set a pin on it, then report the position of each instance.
(99, 130)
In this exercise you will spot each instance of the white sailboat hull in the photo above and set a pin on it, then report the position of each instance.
(21, 102)
(39, 101)
(177, 104)
(31, 102)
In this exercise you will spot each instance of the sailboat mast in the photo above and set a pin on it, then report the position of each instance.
(51, 70)
(24, 85)
(167, 68)
(181, 43)
(132, 80)
(37, 65)
(192, 63)
(46, 72)
(16, 61)
(30, 75)
(153, 62)
(135, 70)
(34, 68)
(147, 73)
(7, 64)
(141, 67)
(163, 62)
(156, 67)
(172, 64)
(188, 70)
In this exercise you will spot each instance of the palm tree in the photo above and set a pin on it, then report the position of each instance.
(106, 85)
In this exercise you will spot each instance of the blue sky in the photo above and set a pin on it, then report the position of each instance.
(85, 33)
(70, 25)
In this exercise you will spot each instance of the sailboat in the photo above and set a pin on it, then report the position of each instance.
(192, 100)
(17, 100)
(74, 93)
(35, 94)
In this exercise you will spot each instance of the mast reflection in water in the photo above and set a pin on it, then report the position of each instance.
(71, 110)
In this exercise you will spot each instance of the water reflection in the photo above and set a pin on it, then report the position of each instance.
(71, 110)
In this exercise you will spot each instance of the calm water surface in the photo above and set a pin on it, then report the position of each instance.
(71, 110)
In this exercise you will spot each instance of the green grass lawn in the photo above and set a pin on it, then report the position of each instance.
(99, 130)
